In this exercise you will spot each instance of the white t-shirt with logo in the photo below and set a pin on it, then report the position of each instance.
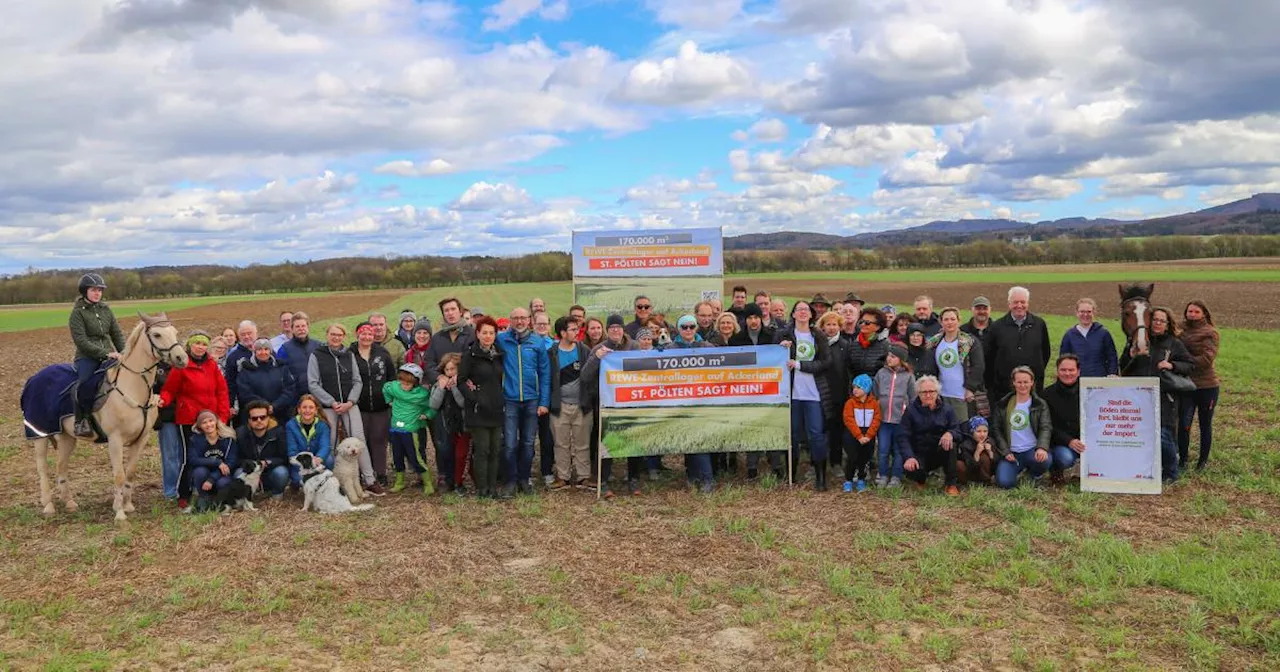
(1021, 437)
(950, 368)
(804, 387)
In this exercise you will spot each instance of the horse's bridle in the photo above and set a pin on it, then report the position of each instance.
(1141, 326)
(161, 355)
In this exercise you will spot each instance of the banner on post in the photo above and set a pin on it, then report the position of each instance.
(1120, 427)
(675, 268)
(701, 400)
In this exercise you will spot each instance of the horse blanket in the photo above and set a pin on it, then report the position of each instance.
(49, 396)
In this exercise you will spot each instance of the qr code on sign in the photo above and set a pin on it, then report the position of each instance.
(710, 294)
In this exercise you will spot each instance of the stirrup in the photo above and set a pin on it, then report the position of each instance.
(84, 429)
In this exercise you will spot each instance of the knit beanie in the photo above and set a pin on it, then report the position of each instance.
(422, 325)
(202, 415)
(863, 382)
(615, 320)
(408, 315)
(977, 421)
(752, 310)
(898, 350)
(643, 334)
(686, 319)
(262, 343)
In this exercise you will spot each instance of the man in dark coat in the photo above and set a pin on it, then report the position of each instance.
(1020, 338)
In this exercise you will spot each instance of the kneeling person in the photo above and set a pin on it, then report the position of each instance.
(928, 436)
(1022, 428)
(263, 442)
(211, 458)
(1063, 398)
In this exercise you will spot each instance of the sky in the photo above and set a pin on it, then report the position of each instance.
(143, 132)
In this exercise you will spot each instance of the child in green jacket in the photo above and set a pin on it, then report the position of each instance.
(409, 407)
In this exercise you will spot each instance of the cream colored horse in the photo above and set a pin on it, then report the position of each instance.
(126, 416)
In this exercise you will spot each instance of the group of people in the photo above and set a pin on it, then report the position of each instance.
(873, 392)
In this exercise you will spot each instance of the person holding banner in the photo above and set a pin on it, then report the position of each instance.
(929, 437)
(728, 332)
(1063, 398)
(755, 331)
(1023, 429)
(644, 310)
(698, 465)
(615, 341)
(1164, 353)
(810, 394)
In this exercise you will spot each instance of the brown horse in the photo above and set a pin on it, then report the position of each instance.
(1135, 315)
(127, 414)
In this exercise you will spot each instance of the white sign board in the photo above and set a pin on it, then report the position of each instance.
(1120, 426)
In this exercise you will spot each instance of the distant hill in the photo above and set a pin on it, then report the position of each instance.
(1258, 214)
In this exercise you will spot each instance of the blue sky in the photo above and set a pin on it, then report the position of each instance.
(243, 131)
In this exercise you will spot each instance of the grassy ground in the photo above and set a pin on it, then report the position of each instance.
(753, 577)
(23, 318)
(1014, 275)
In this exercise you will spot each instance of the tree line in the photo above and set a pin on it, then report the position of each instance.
(358, 273)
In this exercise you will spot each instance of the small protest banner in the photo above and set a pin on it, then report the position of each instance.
(1120, 427)
(674, 268)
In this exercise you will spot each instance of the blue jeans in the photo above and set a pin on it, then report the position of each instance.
(884, 444)
(1168, 455)
(1007, 472)
(201, 474)
(1064, 458)
(274, 480)
(519, 429)
(172, 455)
(806, 420)
(698, 467)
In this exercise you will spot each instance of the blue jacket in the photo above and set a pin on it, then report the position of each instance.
(270, 381)
(1097, 351)
(318, 445)
(297, 355)
(526, 368)
(201, 453)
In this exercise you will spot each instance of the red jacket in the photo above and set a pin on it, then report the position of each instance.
(193, 389)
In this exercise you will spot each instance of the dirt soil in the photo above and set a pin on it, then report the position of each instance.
(1233, 304)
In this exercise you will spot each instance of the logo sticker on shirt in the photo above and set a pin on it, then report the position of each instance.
(1019, 420)
(948, 358)
(804, 351)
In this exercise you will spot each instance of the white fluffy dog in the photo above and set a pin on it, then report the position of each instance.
(320, 487)
(346, 466)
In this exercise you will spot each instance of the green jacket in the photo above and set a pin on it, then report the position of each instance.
(94, 330)
(1040, 422)
(407, 407)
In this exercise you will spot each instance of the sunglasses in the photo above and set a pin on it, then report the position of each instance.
(644, 307)
(688, 327)
(255, 418)
(867, 322)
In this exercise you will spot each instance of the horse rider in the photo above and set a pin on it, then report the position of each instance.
(98, 338)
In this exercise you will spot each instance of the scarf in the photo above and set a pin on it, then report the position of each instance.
(863, 340)
(832, 340)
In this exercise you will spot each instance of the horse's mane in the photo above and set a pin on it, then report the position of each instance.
(1135, 291)
(133, 337)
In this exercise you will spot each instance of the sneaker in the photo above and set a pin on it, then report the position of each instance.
(507, 492)
(277, 496)
(607, 493)
(882, 481)
(707, 487)
(634, 486)
(556, 485)
(184, 506)
(584, 484)
(847, 487)
(860, 485)
(375, 489)
(894, 482)
(952, 491)
(548, 480)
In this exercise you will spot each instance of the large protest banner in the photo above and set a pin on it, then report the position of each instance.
(675, 268)
(1120, 427)
(698, 400)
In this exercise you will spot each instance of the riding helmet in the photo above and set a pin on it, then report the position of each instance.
(91, 280)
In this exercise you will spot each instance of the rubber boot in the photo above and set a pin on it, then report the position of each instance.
(398, 486)
(820, 476)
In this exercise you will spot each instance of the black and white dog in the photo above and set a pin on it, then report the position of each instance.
(320, 489)
(239, 495)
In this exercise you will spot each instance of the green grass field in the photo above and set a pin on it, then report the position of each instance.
(749, 577)
(601, 296)
(22, 318)
(694, 429)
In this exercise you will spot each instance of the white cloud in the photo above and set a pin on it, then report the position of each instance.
(702, 14)
(508, 13)
(862, 146)
(485, 196)
(689, 78)
(765, 130)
